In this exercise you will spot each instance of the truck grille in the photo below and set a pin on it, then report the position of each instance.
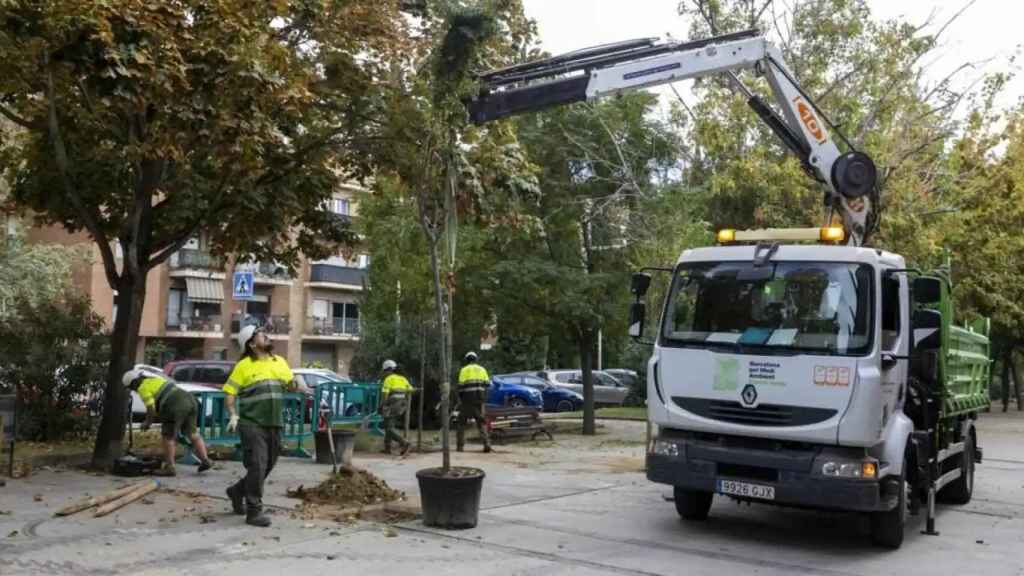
(763, 415)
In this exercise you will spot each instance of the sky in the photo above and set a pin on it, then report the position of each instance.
(988, 29)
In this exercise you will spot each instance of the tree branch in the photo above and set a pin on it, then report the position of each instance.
(90, 217)
(19, 120)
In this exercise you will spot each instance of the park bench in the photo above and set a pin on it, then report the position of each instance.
(507, 421)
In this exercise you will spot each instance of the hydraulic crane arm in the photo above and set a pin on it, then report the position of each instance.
(589, 74)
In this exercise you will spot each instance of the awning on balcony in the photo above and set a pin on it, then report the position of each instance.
(205, 290)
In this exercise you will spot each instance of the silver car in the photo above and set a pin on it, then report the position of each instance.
(607, 389)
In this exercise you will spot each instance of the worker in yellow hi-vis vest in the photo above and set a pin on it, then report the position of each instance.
(254, 397)
(395, 391)
(473, 384)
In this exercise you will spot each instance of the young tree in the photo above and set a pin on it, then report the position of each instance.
(147, 122)
(568, 269)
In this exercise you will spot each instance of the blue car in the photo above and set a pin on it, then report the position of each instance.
(508, 393)
(555, 398)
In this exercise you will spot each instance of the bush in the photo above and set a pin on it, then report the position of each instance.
(55, 355)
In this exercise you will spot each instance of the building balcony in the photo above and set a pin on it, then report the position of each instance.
(187, 258)
(274, 325)
(203, 326)
(266, 271)
(337, 275)
(333, 328)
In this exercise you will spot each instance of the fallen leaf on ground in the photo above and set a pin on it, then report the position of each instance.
(38, 497)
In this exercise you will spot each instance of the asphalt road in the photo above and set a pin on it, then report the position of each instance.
(576, 506)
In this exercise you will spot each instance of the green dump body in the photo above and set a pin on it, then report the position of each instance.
(965, 361)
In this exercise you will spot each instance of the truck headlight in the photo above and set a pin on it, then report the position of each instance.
(864, 469)
(665, 448)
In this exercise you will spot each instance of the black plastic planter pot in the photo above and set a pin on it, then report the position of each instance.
(450, 501)
(344, 445)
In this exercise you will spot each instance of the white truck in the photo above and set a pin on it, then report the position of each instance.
(798, 366)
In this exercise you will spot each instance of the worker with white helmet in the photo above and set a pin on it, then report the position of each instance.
(394, 401)
(175, 408)
(255, 399)
(473, 384)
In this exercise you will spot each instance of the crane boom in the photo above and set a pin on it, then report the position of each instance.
(850, 178)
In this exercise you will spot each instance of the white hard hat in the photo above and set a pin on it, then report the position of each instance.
(471, 356)
(246, 334)
(389, 365)
(136, 373)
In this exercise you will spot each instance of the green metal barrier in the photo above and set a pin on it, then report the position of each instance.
(212, 425)
(356, 403)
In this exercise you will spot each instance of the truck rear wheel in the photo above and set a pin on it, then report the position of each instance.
(692, 504)
(960, 490)
(887, 527)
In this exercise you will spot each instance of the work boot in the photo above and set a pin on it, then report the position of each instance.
(487, 448)
(460, 448)
(405, 449)
(387, 450)
(204, 466)
(257, 518)
(237, 501)
(165, 471)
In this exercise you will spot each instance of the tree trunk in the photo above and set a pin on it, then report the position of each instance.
(586, 363)
(131, 296)
(1016, 380)
(1006, 381)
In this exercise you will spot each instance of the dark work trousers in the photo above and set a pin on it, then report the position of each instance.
(394, 420)
(260, 448)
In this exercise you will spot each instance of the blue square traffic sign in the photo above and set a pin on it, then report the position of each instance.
(242, 286)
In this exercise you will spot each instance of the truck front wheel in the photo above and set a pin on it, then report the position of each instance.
(692, 504)
(887, 527)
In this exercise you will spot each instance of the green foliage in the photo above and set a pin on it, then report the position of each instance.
(55, 356)
(32, 274)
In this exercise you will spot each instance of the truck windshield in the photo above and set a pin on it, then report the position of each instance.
(780, 307)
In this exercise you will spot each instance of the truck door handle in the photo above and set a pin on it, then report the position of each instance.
(888, 360)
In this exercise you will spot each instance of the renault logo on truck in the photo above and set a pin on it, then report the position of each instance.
(749, 395)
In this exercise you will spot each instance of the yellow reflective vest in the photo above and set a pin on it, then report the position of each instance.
(473, 377)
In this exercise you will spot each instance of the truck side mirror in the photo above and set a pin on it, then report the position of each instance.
(637, 312)
(927, 290)
(640, 283)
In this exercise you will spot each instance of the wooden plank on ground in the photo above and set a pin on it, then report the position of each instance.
(97, 500)
(126, 499)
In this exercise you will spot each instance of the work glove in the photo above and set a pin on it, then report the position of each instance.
(233, 423)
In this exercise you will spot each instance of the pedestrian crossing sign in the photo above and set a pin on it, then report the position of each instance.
(243, 286)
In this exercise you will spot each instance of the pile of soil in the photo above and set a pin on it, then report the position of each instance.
(349, 487)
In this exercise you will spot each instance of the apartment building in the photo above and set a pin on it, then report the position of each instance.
(189, 312)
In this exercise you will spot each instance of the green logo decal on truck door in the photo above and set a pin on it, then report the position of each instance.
(727, 374)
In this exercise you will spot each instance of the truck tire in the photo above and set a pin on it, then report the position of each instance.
(692, 504)
(960, 490)
(887, 527)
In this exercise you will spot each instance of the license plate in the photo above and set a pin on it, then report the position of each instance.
(734, 488)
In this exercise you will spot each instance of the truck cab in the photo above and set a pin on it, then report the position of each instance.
(780, 374)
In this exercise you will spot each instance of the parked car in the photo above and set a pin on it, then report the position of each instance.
(556, 398)
(503, 392)
(607, 390)
(310, 378)
(209, 373)
(628, 377)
